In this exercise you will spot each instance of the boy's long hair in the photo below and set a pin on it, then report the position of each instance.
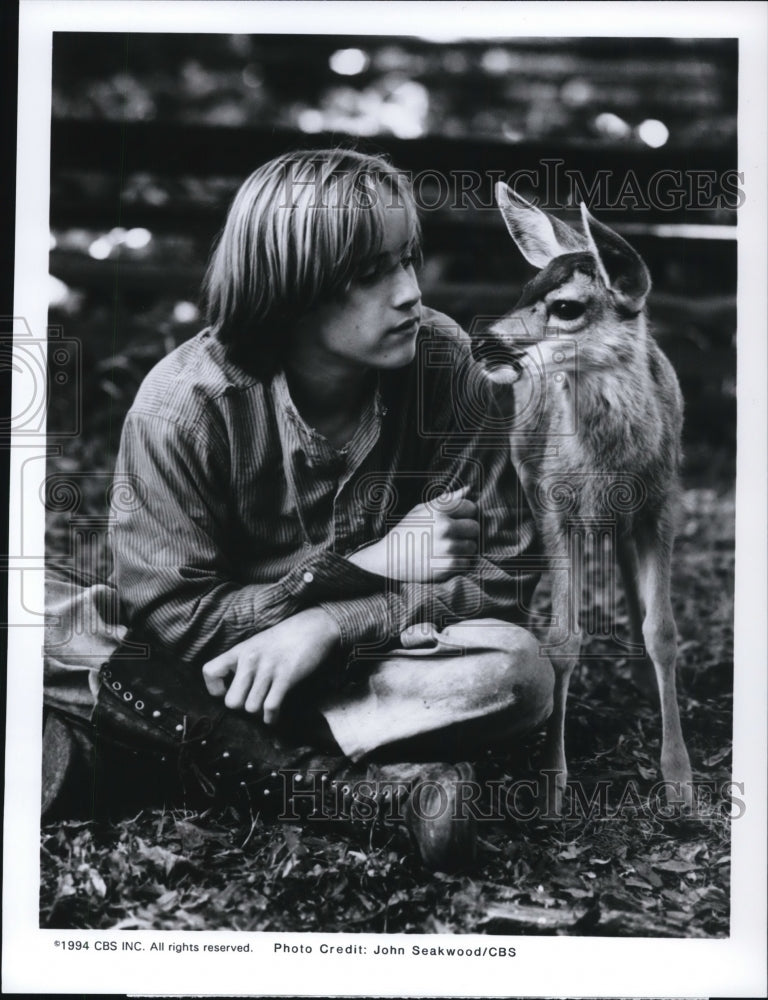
(300, 230)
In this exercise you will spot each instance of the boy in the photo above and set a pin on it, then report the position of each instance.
(332, 537)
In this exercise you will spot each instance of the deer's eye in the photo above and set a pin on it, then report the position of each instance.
(566, 309)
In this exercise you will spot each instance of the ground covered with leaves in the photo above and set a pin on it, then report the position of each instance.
(616, 864)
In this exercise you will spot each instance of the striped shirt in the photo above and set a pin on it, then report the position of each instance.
(247, 514)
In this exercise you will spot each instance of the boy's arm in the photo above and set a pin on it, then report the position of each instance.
(177, 581)
(496, 583)
(172, 569)
(470, 448)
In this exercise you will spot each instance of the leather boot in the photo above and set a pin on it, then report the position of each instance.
(163, 711)
(432, 801)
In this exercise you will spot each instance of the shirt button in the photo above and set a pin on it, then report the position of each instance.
(308, 577)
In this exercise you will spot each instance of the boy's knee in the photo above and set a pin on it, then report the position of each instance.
(514, 668)
(530, 672)
(538, 679)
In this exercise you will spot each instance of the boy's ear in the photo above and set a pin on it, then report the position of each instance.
(540, 237)
(621, 268)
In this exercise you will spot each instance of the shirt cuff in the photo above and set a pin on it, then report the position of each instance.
(371, 621)
(329, 576)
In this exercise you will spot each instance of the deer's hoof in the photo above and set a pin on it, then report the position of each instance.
(680, 792)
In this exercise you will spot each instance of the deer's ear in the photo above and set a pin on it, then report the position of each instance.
(621, 268)
(539, 237)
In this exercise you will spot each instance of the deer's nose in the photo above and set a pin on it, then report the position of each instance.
(493, 351)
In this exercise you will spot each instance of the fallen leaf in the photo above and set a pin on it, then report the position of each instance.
(570, 852)
(715, 758)
(577, 893)
(193, 836)
(66, 886)
(98, 884)
(168, 899)
(535, 917)
(160, 856)
(675, 865)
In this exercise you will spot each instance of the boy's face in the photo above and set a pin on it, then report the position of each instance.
(375, 324)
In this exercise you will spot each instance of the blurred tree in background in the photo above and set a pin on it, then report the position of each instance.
(599, 90)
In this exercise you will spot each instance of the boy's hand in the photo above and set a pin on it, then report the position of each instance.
(269, 664)
(431, 543)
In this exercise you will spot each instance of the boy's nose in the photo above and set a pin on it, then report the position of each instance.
(407, 291)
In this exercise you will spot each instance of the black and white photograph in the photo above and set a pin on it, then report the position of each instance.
(386, 586)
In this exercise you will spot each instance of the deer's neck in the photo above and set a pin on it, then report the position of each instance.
(600, 398)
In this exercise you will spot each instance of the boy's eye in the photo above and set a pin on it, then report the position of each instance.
(566, 309)
(368, 277)
(372, 274)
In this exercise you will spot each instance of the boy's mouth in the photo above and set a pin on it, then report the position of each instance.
(410, 325)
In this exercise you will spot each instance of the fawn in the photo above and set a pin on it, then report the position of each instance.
(595, 438)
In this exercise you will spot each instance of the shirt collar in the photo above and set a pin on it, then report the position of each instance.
(314, 443)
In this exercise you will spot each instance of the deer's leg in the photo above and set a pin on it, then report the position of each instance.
(563, 650)
(626, 556)
(660, 634)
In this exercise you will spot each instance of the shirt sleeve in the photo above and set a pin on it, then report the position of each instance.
(498, 583)
(175, 562)
(471, 448)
